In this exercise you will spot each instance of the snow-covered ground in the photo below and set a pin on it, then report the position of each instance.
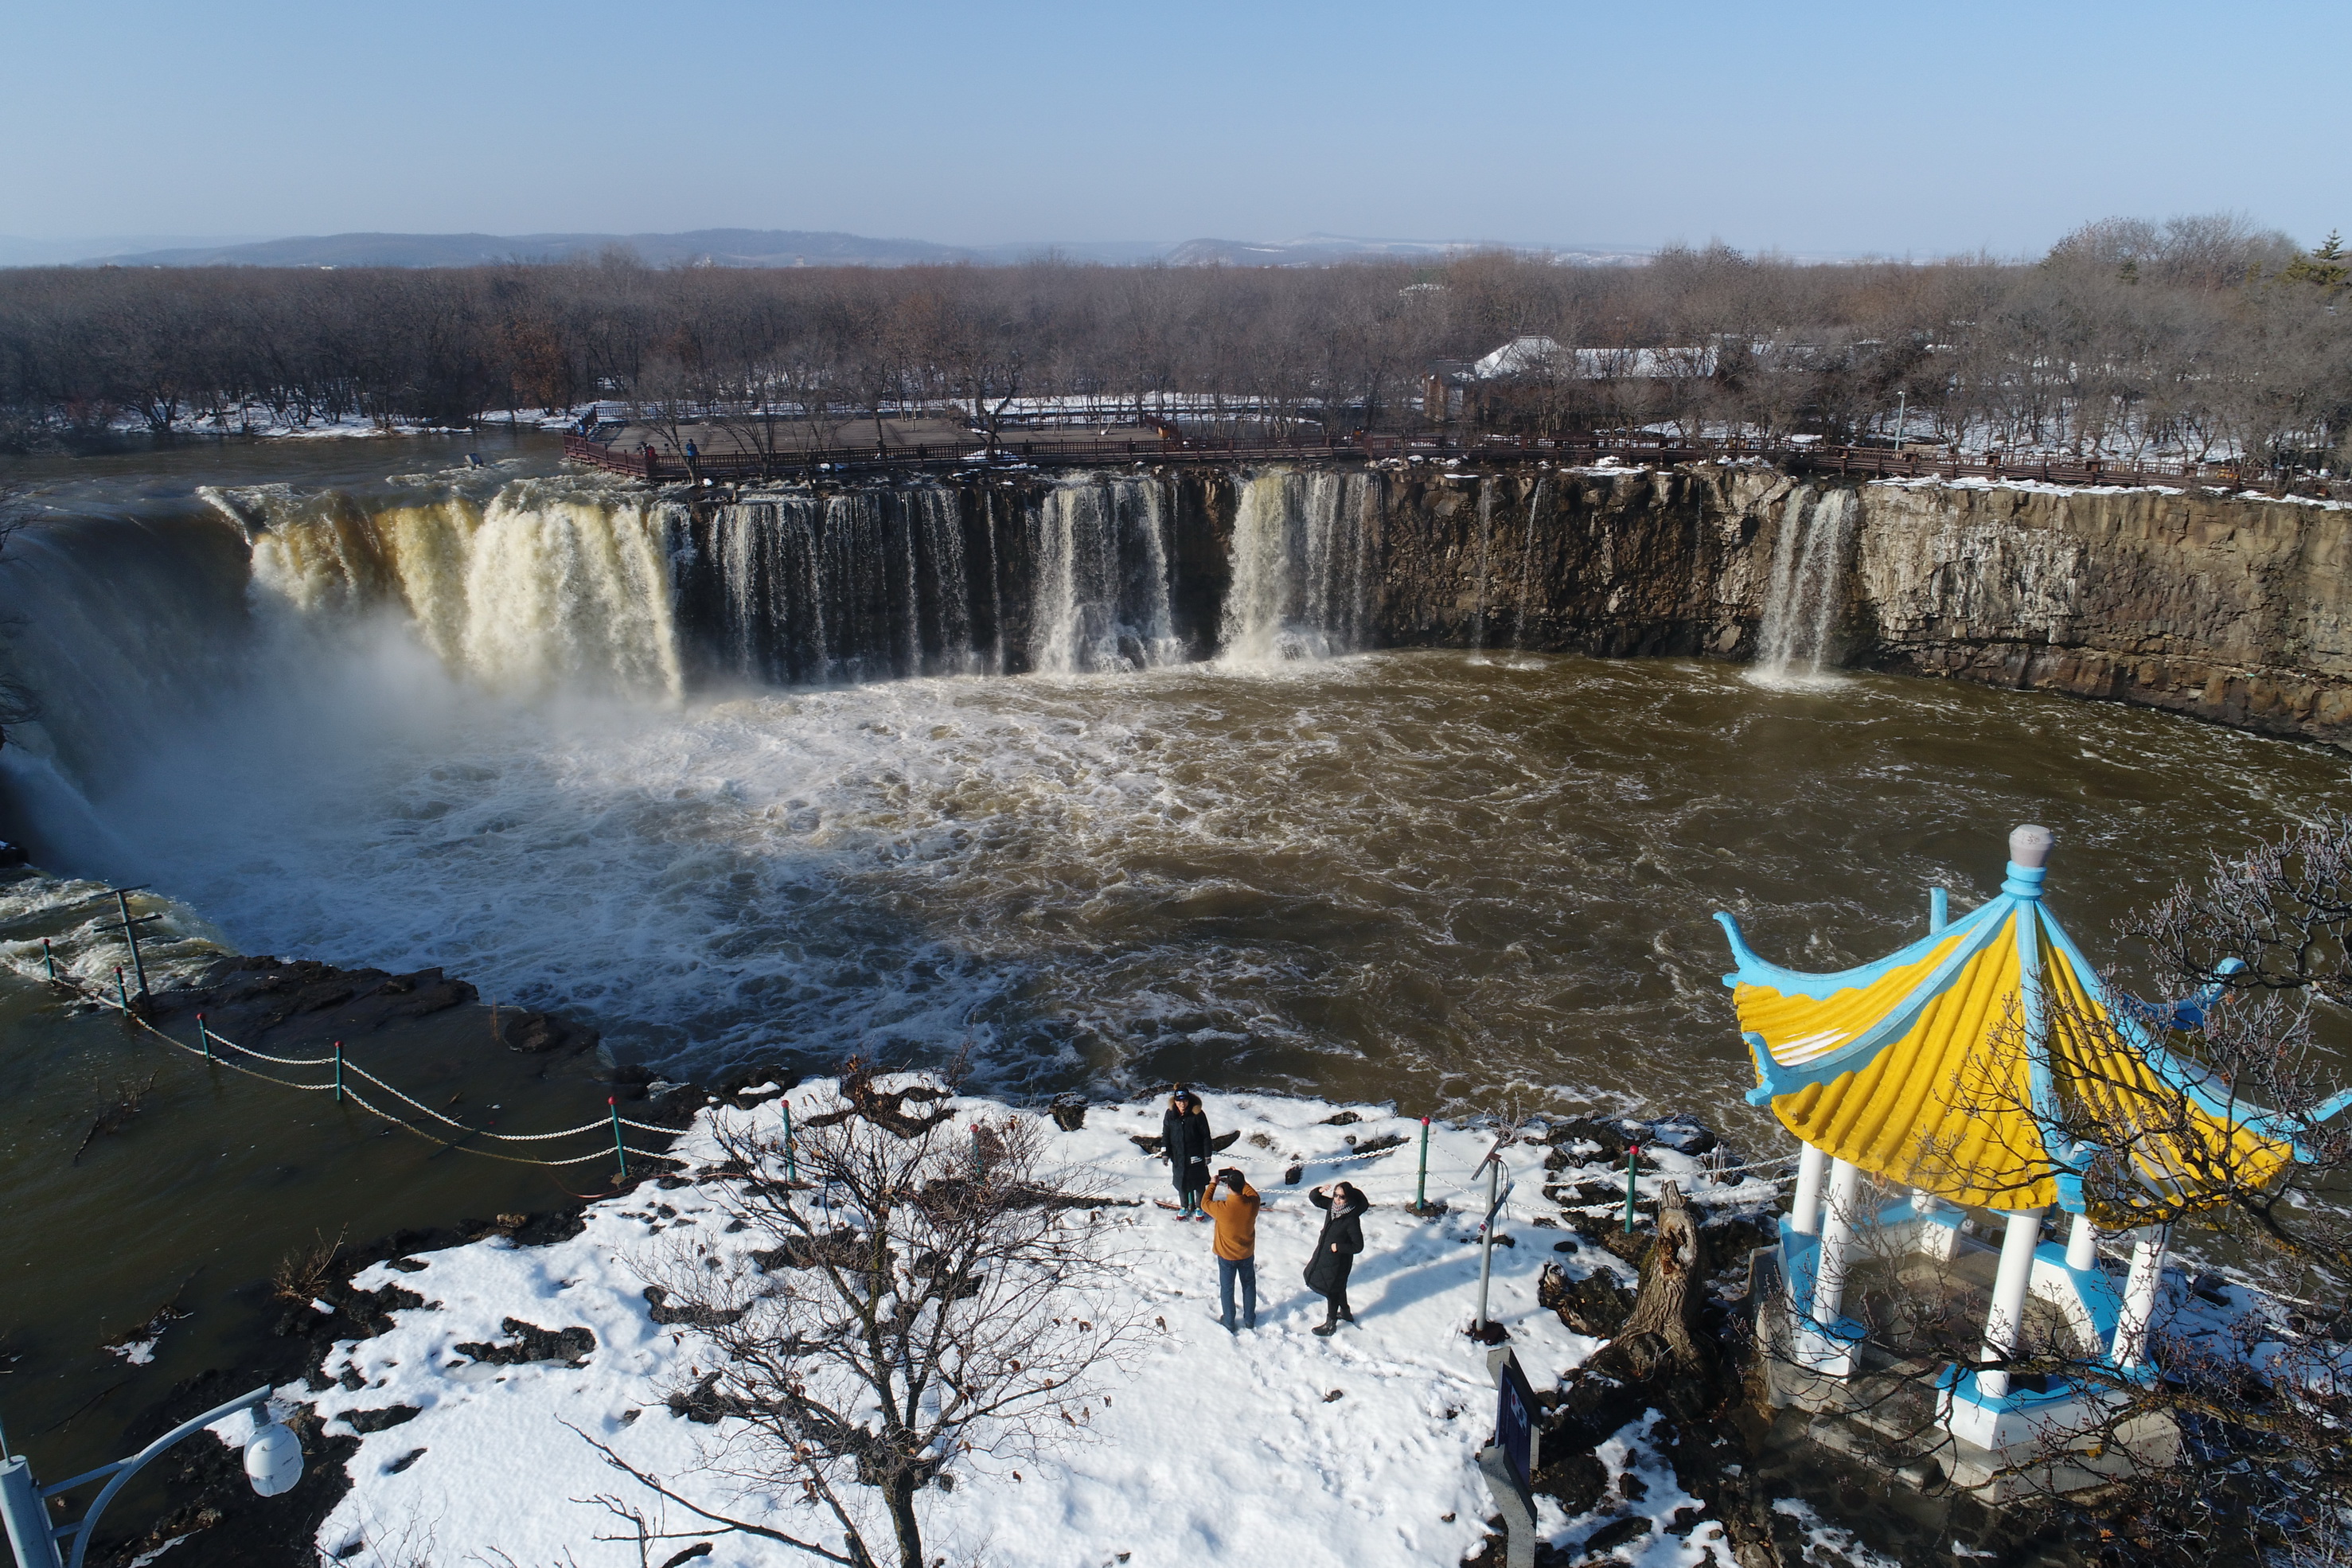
(1272, 1448)
(2044, 487)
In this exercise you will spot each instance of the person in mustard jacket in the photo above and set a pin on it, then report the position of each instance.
(1232, 1206)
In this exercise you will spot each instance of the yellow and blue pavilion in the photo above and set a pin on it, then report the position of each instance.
(1985, 1068)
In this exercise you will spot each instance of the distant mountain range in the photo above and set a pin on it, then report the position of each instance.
(753, 247)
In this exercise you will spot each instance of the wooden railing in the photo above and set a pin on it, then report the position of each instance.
(1168, 446)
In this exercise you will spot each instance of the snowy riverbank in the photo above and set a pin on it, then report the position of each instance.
(1273, 1446)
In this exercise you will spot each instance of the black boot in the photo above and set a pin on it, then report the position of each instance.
(1330, 1319)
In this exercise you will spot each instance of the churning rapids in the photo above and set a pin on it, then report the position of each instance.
(907, 771)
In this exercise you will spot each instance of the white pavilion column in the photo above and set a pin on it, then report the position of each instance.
(1837, 1240)
(1805, 1213)
(2139, 1297)
(2082, 1244)
(2005, 1324)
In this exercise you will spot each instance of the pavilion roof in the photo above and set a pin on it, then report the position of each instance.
(1979, 1063)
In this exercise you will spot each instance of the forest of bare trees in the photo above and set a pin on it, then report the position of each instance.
(2206, 338)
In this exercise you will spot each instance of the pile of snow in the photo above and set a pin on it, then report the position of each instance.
(1272, 1447)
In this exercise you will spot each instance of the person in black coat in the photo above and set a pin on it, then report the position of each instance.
(1184, 1137)
(1336, 1249)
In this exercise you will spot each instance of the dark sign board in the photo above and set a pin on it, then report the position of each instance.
(1515, 1420)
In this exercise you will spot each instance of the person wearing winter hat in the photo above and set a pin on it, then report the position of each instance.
(1184, 1138)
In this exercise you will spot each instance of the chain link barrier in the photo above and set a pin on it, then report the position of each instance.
(462, 1143)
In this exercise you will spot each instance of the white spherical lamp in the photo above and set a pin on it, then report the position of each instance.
(273, 1455)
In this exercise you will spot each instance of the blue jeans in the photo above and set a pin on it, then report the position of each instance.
(1246, 1270)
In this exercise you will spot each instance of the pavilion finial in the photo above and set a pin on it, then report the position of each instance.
(2028, 846)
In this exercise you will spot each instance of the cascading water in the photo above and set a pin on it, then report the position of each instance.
(1486, 551)
(1527, 566)
(1102, 591)
(802, 590)
(301, 718)
(1301, 568)
(1797, 644)
(539, 590)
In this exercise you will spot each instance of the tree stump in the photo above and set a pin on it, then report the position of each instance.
(1667, 1301)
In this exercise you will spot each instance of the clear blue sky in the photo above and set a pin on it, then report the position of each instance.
(1887, 128)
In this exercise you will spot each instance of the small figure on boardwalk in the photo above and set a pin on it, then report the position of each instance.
(1232, 1206)
(1335, 1250)
(1184, 1138)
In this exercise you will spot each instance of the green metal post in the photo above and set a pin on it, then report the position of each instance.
(204, 1037)
(620, 1149)
(120, 989)
(50, 958)
(1421, 1182)
(131, 935)
(338, 1072)
(791, 1166)
(1633, 1163)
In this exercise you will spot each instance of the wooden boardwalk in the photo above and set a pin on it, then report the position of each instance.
(1019, 451)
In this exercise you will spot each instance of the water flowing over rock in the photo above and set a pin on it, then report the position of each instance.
(2228, 608)
(1102, 590)
(1806, 596)
(1302, 568)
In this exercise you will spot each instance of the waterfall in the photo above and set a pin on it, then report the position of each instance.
(1485, 537)
(1528, 565)
(1807, 591)
(541, 589)
(806, 590)
(1301, 569)
(1101, 596)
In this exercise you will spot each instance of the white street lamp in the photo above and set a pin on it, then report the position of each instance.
(273, 1462)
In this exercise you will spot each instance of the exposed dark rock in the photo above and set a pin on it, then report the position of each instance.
(1576, 1479)
(1595, 1306)
(530, 1342)
(364, 1422)
(1068, 1112)
(1616, 1533)
(701, 1404)
(532, 1033)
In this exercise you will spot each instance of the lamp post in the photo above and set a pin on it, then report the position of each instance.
(273, 1463)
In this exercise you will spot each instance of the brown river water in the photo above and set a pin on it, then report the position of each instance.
(1430, 876)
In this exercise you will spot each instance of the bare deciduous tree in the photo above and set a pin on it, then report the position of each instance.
(918, 1290)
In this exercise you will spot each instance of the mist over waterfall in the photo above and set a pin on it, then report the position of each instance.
(538, 589)
(1301, 568)
(1797, 642)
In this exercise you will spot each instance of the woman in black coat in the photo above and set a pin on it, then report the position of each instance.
(1184, 1136)
(1336, 1249)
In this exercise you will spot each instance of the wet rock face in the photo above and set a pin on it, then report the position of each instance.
(2238, 611)
(2229, 610)
(258, 998)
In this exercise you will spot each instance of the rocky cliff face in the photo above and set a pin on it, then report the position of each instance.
(2231, 610)
(2228, 609)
